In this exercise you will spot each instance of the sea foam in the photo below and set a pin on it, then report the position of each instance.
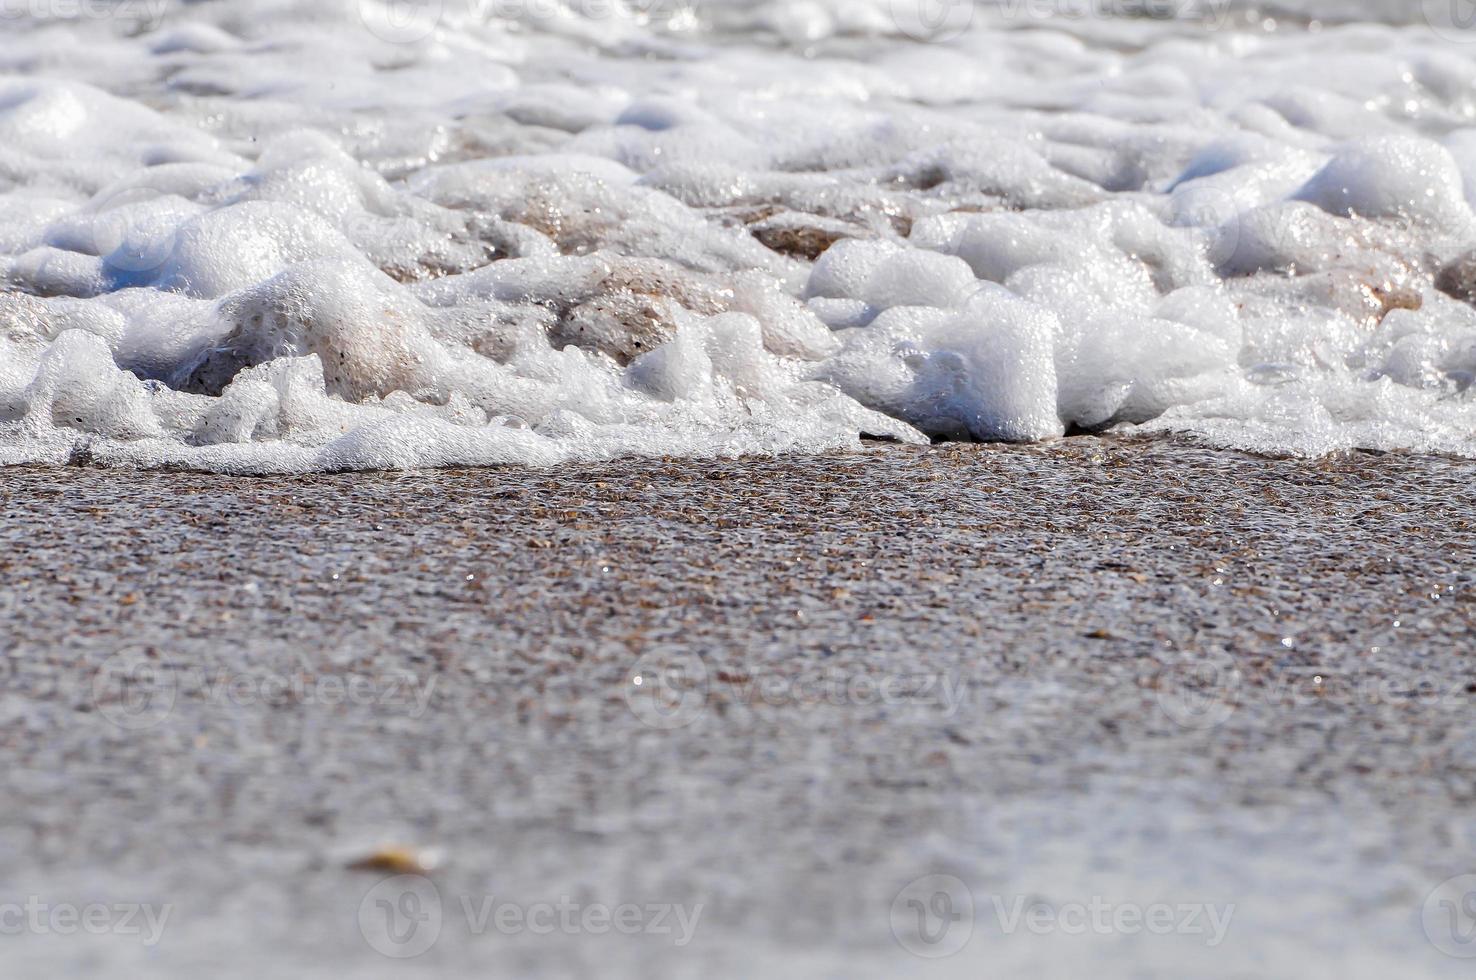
(307, 236)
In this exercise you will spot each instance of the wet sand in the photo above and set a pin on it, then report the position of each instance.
(1094, 672)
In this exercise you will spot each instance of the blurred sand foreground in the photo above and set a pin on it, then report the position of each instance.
(1135, 708)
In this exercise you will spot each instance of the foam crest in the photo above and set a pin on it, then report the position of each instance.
(324, 236)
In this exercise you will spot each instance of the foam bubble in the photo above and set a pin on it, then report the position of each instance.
(288, 240)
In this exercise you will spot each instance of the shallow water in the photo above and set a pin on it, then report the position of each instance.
(299, 236)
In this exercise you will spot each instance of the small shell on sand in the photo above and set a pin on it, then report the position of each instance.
(401, 859)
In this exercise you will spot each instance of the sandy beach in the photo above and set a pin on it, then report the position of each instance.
(751, 703)
(737, 488)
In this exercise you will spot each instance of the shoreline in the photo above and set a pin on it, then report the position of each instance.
(870, 447)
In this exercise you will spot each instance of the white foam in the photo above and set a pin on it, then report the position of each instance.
(322, 236)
